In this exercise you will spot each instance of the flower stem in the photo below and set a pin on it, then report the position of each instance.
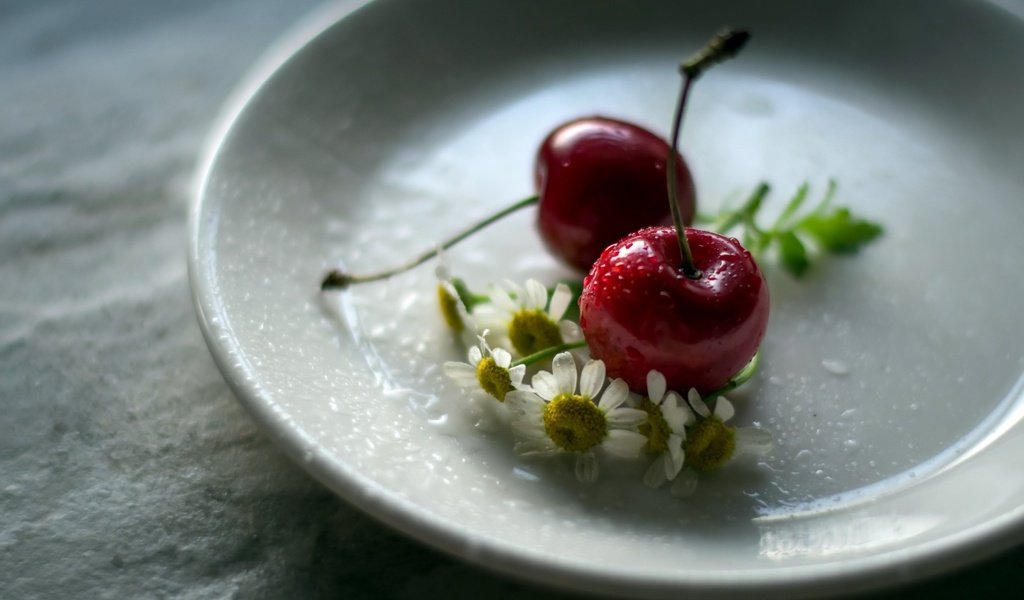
(336, 279)
(548, 353)
(724, 45)
(744, 375)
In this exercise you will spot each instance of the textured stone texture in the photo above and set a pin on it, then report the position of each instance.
(128, 470)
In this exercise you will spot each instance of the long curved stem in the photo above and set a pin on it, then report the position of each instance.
(548, 353)
(336, 279)
(724, 45)
(689, 268)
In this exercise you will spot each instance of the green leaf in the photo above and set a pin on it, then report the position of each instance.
(468, 297)
(830, 193)
(794, 205)
(743, 214)
(750, 208)
(793, 253)
(753, 240)
(839, 231)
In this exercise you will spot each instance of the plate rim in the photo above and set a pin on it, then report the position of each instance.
(866, 573)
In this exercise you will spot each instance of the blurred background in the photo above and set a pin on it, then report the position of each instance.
(127, 469)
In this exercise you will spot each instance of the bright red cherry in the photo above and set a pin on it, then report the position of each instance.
(600, 179)
(639, 311)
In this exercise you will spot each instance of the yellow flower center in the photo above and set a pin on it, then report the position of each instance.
(574, 423)
(531, 330)
(450, 309)
(709, 444)
(655, 428)
(494, 380)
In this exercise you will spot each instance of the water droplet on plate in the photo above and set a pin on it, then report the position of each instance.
(835, 367)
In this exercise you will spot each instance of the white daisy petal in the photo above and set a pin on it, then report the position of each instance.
(513, 288)
(614, 395)
(516, 374)
(528, 425)
(691, 418)
(675, 414)
(571, 332)
(564, 369)
(501, 357)
(536, 295)
(586, 467)
(632, 400)
(475, 355)
(560, 299)
(676, 452)
(753, 440)
(471, 383)
(486, 314)
(626, 444)
(724, 409)
(697, 404)
(545, 384)
(488, 414)
(655, 386)
(534, 413)
(654, 477)
(685, 483)
(528, 431)
(625, 418)
(531, 450)
(460, 371)
(521, 399)
(502, 300)
(669, 466)
(592, 379)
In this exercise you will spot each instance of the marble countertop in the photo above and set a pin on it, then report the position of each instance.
(129, 470)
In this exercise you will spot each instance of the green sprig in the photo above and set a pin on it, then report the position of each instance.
(832, 230)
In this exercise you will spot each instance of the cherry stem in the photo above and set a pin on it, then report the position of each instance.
(548, 353)
(339, 280)
(726, 44)
(689, 268)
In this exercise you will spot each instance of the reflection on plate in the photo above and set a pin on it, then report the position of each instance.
(891, 382)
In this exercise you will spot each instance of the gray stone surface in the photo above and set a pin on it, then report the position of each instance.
(128, 469)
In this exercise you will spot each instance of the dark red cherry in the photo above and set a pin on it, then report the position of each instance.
(639, 311)
(600, 179)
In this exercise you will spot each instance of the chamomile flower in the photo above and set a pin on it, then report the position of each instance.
(667, 419)
(488, 372)
(552, 417)
(454, 311)
(526, 320)
(710, 442)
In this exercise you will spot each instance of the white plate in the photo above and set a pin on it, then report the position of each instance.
(365, 139)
